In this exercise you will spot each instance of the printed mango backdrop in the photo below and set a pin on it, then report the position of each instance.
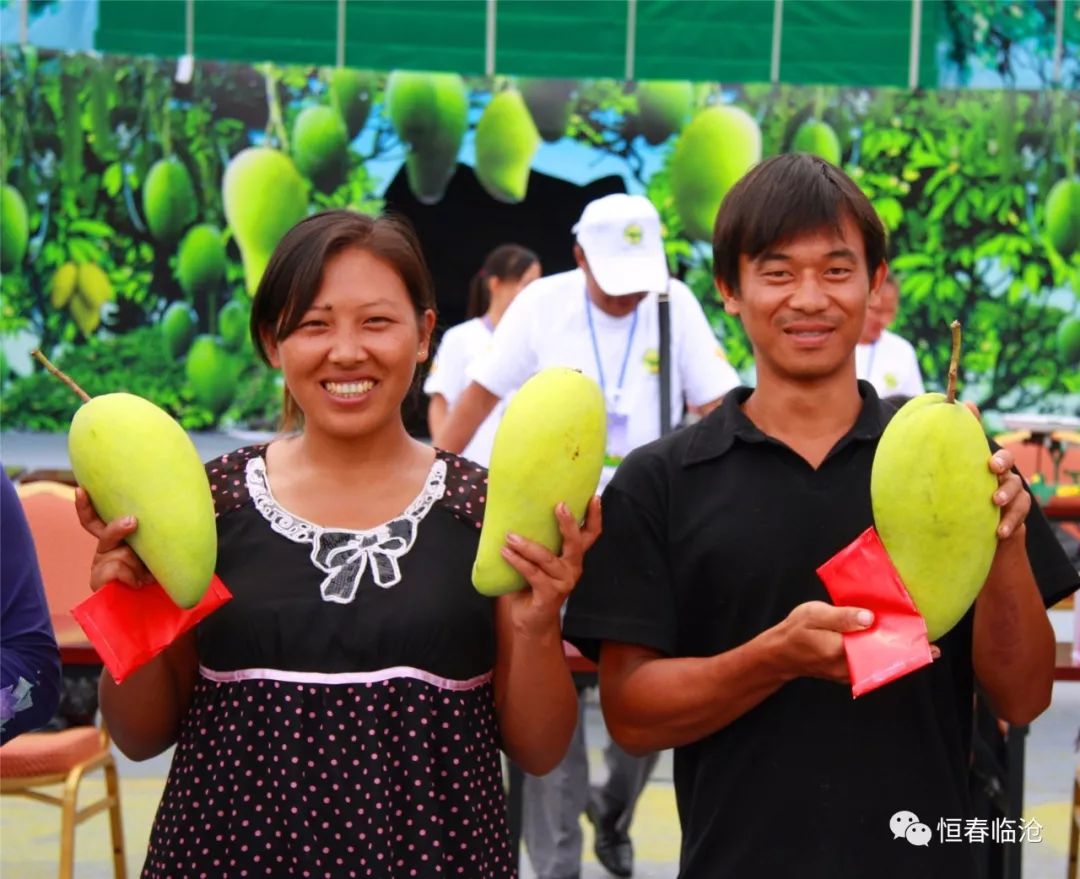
(138, 212)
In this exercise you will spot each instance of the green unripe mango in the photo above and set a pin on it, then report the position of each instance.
(14, 228)
(506, 141)
(931, 488)
(1068, 342)
(200, 261)
(320, 145)
(716, 148)
(549, 448)
(818, 139)
(233, 324)
(1063, 217)
(351, 93)
(549, 102)
(264, 196)
(86, 315)
(134, 460)
(663, 106)
(93, 285)
(211, 372)
(429, 112)
(169, 202)
(179, 325)
(62, 286)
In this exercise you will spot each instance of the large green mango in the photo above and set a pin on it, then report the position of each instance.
(320, 145)
(211, 372)
(169, 200)
(429, 112)
(179, 325)
(663, 106)
(1063, 217)
(716, 148)
(818, 139)
(931, 488)
(549, 102)
(264, 196)
(200, 261)
(549, 448)
(351, 93)
(14, 228)
(133, 459)
(1068, 342)
(506, 141)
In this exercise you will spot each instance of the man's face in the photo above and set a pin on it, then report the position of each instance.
(803, 303)
(616, 306)
(880, 313)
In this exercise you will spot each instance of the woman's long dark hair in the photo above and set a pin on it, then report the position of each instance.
(507, 262)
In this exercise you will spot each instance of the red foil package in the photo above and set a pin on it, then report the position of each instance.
(862, 575)
(129, 627)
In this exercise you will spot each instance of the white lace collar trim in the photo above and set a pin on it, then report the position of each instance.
(342, 554)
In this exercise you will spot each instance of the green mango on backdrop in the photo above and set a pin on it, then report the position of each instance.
(320, 146)
(1063, 217)
(14, 228)
(548, 448)
(233, 324)
(264, 196)
(86, 315)
(351, 94)
(663, 106)
(550, 104)
(93, 285)
(1068, 341)
(179, 324)
(506, 141)
(134, 460)
(930, 489)
(715, 149)
(819, 139)
(169, 202)
(200, 260)
(62, 286)
(211, 372)
(429, 112)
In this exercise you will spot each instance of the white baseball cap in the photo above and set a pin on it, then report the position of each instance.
(620, 235)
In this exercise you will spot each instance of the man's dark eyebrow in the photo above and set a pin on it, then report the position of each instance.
(838, 253)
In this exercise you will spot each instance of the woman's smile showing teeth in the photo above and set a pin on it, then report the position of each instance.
(349, 389)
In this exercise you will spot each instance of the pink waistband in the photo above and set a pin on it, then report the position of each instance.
(352, 677)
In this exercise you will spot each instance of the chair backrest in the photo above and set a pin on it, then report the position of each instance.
(64, 549)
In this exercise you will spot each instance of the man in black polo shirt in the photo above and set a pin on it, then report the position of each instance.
(713, 632)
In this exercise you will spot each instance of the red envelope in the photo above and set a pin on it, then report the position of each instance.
(129, 627)
(862, 575)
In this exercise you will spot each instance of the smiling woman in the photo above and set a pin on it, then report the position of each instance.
(355, 677)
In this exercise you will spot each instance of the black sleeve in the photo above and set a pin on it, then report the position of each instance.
(625, 591)
(1053, 571)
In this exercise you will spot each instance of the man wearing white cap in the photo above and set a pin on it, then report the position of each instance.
(603, 319)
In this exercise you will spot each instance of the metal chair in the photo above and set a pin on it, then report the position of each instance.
(41, 759)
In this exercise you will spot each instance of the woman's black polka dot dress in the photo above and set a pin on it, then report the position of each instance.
(343, 723)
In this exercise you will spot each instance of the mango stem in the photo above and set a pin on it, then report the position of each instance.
(67, 380)
(954, 362)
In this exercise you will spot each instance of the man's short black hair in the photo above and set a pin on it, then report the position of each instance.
(785, 197)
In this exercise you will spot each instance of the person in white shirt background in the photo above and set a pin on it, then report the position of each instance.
(505, 273)
(883, 358)
(603, 319)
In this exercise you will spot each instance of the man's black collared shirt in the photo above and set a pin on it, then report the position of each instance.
(712, 535)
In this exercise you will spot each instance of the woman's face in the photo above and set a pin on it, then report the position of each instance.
(350, 361)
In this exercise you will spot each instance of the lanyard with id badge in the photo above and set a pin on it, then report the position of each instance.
(618, 440)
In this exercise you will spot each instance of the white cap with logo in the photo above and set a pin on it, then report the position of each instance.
(620, 235)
